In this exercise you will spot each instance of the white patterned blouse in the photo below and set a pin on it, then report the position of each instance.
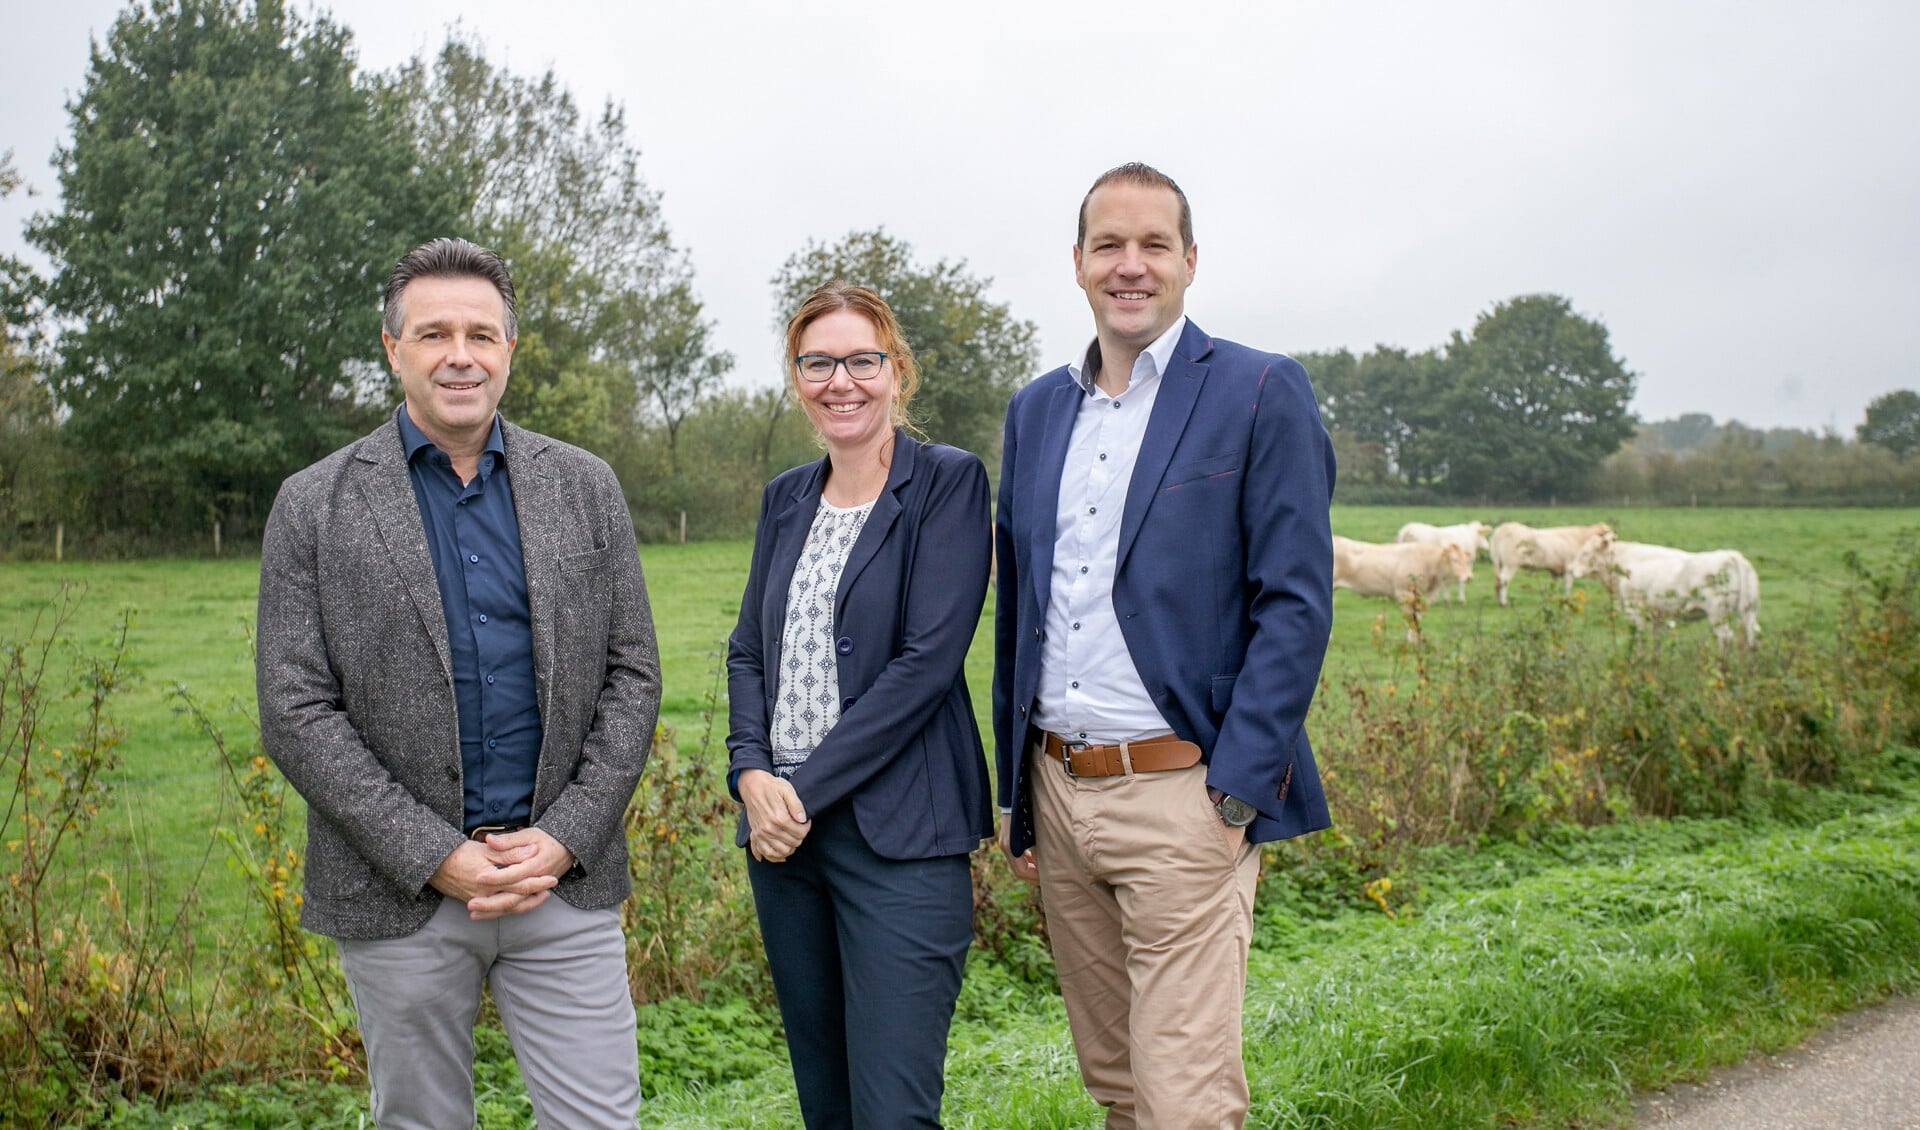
(807, 702)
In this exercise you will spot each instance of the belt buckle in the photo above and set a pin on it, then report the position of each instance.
(480, 834)
(1067, 750)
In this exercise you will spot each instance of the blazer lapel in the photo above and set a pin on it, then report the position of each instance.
(388, 488)
(790, 525)
(886, 508)
(1062, 408)
(1179, 391)
(537, 507)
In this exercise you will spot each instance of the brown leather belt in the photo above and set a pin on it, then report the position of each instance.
(1150, 755)
(483, 831)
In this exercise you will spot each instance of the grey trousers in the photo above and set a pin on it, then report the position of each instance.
(559, 977)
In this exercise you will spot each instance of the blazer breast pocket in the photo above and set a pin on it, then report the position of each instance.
(575, 563)
(1214, 467)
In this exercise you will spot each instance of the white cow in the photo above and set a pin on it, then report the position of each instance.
(1516, 547)
(1718, 586)
(1471, 537)
(1397, 569)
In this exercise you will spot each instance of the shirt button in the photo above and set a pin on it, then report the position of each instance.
(1076, 625)
(474, 558)
(1076, 684)
(483, 617)
(1093, 510)
(1116, 404)
(1103, 457)
(489, 680)
(844, 645)
(1083, 568)
(493, 743)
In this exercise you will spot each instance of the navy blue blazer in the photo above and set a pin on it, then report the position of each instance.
(1224, 581)
(906, 750)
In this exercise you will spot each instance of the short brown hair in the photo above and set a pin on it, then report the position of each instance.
(449, 258)
(867, 303)
(1146, 176)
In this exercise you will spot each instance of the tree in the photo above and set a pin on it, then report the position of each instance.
(27, 419)
(973, 353)
(1893, 422)
(232, 201)
(666, 347)
(1536, 399)
(610, 325)
(1387, 402)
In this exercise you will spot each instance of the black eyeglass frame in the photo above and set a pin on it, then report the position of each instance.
(800, 365)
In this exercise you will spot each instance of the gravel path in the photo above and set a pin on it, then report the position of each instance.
(1863, 1073)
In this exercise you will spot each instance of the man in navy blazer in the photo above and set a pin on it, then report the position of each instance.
(1165, 596)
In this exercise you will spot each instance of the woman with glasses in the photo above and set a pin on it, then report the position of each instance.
(853, 745)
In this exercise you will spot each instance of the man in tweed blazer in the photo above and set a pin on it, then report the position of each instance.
(457, 671)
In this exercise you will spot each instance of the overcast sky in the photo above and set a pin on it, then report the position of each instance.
(1733, 189)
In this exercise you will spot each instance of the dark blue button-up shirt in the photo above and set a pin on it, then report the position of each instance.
(474, 537)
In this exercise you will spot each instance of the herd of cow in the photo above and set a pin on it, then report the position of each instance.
(1649, 582)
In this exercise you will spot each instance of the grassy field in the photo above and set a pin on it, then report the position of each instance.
(1540, 984)
(191, 625)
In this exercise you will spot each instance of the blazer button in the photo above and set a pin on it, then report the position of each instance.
(453, 774)
(846, 703)
(844, 646)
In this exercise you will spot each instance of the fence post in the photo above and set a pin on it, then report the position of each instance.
(59, 540)
(216, 539)
(683, 527)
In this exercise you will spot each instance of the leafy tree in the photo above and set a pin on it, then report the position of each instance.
(27, 420)
(1893, 422)
(232, 200)
(666, 346)
(610, 326)
(973, 353)
(1536, 400)
(1385, 406)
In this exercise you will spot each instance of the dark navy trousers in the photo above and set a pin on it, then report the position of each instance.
(866, 955)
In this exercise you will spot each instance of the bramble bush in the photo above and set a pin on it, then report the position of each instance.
(90, 984)
(1501, 734)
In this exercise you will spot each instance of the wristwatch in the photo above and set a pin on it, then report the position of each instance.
(1234, 812)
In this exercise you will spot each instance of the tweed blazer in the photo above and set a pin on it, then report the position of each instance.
(356, 687)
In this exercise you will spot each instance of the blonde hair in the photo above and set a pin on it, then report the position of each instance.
(868, 304)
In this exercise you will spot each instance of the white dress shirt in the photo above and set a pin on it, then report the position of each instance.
(1089, 688)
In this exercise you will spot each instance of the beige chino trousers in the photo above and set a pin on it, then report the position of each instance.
(1149, 905)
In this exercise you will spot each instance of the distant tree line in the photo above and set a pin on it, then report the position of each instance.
(1691, 459)
(233, 195)
(1531, 406)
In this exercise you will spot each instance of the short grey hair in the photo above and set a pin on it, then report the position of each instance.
(449, 257)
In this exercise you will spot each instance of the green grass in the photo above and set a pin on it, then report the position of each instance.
(192, 620)
(190, 626)
(1535, 987)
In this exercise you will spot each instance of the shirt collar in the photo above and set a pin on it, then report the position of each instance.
(415, 441)
(1086, 369)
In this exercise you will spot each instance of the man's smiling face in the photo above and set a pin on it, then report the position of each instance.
(1133, 264)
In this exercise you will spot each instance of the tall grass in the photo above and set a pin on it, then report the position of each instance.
(1377, 985)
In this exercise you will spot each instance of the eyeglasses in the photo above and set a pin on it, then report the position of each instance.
(818, 367)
